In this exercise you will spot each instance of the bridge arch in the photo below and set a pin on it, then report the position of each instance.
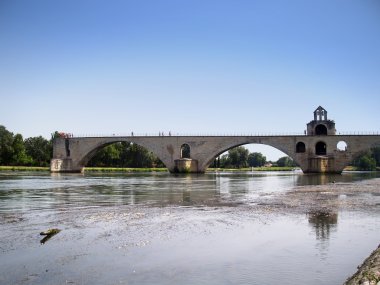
(281, 147)
(93, 149)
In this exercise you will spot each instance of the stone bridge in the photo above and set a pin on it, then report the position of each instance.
(316, 151)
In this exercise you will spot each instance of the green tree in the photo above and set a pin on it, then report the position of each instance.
(285, 161)
(125, 154)
(256, 159)
(238, 157)
(19, 152)
(39, 150)
(365, 162)
(140, 156)
(6, 146)
(124, 159)
(107, 156)
(224, 161)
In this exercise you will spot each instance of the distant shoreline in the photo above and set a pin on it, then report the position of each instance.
(145, 169)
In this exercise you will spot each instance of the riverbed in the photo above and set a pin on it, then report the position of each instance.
(216, 228)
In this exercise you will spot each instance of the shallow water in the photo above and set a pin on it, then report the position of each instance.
(217, 228)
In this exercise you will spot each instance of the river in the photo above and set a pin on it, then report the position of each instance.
(216, 228)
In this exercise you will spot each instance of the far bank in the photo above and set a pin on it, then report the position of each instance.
(163, 169)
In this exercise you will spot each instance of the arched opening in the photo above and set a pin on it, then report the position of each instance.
(250, 155)
(185, 151)
(300, 147)
(123, 155)
(320, 130)
(341, 146)
(320, 148)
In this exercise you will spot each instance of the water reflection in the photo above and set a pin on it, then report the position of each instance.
(20, 191)
(323, 223)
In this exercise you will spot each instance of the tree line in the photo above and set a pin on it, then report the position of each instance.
(37, 151)
(17, 151)
(125, 154)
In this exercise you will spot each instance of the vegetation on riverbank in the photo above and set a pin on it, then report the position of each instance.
(24, 168)
(355, 168)
(125, 169)
(87, 169)
(143, 169)
(273, 168)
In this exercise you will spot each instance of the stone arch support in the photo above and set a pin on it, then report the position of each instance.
(83, 149)
(220, 145)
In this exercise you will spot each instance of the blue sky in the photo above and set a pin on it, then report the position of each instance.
(199, 67)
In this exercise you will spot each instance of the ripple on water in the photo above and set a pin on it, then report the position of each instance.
(208, 229)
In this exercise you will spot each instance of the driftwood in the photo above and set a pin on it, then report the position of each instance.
(48, 234)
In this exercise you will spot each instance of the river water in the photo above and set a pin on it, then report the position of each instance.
(216, 228)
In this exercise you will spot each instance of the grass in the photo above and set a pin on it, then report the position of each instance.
(354, 168)
(273, 168)
(87, 169)
(120, 169)
(143, 169)
(24, 168)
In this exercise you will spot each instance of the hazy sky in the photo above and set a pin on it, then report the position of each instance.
(199, 67)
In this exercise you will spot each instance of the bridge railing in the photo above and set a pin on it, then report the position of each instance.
(261, 134)
(186, 134)
(359, 133)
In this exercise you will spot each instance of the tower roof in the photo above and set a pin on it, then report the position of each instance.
(320, 108)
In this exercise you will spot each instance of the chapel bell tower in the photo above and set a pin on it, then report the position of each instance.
(321, 126)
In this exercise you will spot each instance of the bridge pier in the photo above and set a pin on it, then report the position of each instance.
(186, 165)
(65, 165)
(322, 164)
